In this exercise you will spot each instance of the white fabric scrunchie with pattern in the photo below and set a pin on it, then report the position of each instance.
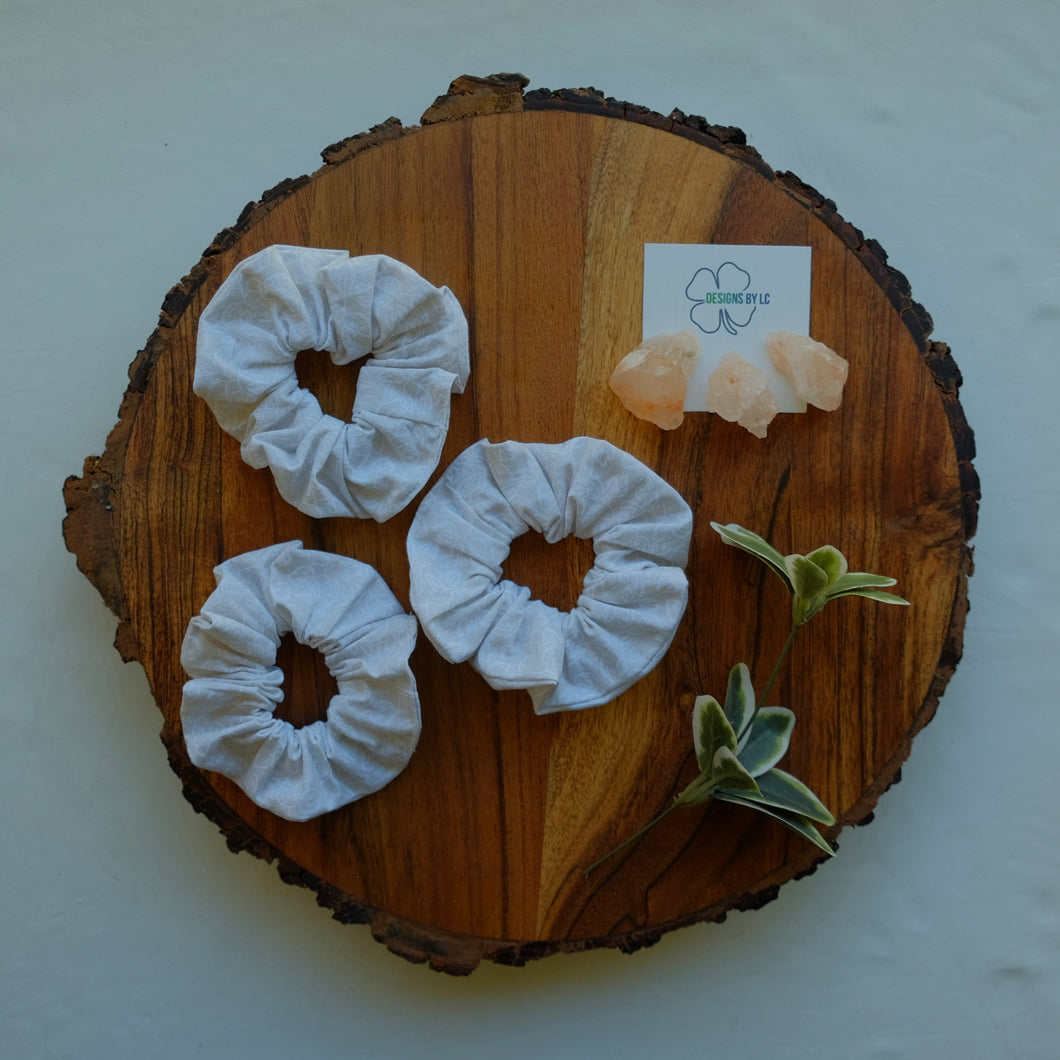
(631, 600)
(283, 300)
(344, 609)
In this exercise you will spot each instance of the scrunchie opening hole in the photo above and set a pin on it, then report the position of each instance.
(553, 573)
(308, 686)
(333, 385)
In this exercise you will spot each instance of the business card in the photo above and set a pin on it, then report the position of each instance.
(731, 297)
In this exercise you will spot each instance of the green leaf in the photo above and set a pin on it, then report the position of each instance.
(710, 731)
(739, 537)
(807, 579)
(767, 742)
(831, 561)
(873, 594)
(739, 698)
(727, 772)
(861, 580)
(782, 791)
(797, 823)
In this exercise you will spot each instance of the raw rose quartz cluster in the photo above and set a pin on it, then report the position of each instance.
(652, 380)
(739, 392)
(816, 373)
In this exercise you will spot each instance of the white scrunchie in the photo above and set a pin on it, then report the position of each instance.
(337, 605)
(631, 601)
(283, 300)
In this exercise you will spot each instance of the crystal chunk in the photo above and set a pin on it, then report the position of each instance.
(816, 373)
(652, 380)
(739, 392)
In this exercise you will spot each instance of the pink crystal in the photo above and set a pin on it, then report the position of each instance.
(739, 392)
(816, 373)
(652, 380)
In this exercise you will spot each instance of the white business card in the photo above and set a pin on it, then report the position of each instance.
(731, 297)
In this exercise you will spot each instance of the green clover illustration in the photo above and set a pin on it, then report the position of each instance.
(718, 298)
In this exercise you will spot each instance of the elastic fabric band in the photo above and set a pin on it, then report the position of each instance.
(344, 609)
(283, 300)
(631, 600)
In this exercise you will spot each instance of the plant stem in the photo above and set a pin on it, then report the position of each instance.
(760, 701)
(633, 838)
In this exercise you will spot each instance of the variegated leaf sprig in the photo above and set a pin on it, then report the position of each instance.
(813, 579)
(742, 768)
(738, 745)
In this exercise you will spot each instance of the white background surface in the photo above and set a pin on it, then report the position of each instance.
(130, 133)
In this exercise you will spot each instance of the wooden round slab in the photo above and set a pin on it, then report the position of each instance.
(534, 209)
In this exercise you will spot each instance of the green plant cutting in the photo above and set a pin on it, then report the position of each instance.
(739, 743)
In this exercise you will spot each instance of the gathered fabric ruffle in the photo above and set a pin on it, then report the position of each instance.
(342, 608)
(283, 300)
(631, 601)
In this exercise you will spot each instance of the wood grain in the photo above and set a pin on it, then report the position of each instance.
(534, 209)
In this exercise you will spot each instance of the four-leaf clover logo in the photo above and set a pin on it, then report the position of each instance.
(719, 298)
